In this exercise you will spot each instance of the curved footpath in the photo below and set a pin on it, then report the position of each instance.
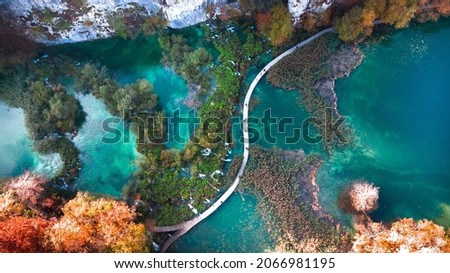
(186, 226)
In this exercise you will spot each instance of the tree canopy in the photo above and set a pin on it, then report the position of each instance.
(20, 234)
(277, 24)
(97, 225)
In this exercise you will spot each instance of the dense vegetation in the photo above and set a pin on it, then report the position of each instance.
(172, 185)
(169, 180)
(359, 21)
(404, 235)
(15, 46)
(321, 61)
(51, 114)
(131, 21)
(275, 176)
(184, 60)
(277, 24)
(87, 224)
(163, 192)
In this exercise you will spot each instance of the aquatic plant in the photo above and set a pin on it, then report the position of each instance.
(314, 78)
(275, 177)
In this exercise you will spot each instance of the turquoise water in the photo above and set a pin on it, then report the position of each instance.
(284, 130)
(171, 90)
(106, 168)
(397, 104)
(236, 227)
(130, 60)
(15, 147)
(397, 100)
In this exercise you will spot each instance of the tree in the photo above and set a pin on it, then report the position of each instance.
(28, 188)
(170, 158)
(277, 24)
(49, 110)
(90, 78)
(359, 197)
(9, 206)
(404, 235)
(135, 98)
(152, 24)
(264, 21)
(97, 225)
(282, 29)
(399, 12)
(354, 23)
(20, 234)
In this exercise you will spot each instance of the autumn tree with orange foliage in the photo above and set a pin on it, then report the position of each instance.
(20, 234)
(405, 235)
(359, 21)
(432, 10)
(10, 206)
(97, 225)
(264, 21)
(277, 24)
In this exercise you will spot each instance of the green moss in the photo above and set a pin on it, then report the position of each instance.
(62, 25)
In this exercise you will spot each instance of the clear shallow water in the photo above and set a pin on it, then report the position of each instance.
(16, 153)
(397, 101)
(106, 168)
(16, 149)
(281, 106)
(171, 90)
(131, 60)
(236, 227)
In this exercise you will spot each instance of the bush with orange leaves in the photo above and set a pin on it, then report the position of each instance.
(97, 225)
(20, 234)
(10, 206)
(404, 235)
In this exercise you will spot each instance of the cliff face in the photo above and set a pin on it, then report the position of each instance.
(87, 19)
(299, 7)
(66, 21)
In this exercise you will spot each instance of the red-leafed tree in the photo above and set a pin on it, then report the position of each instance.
(264, 21)
(20, 234)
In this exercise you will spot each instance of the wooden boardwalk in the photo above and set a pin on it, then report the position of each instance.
(184, 227)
